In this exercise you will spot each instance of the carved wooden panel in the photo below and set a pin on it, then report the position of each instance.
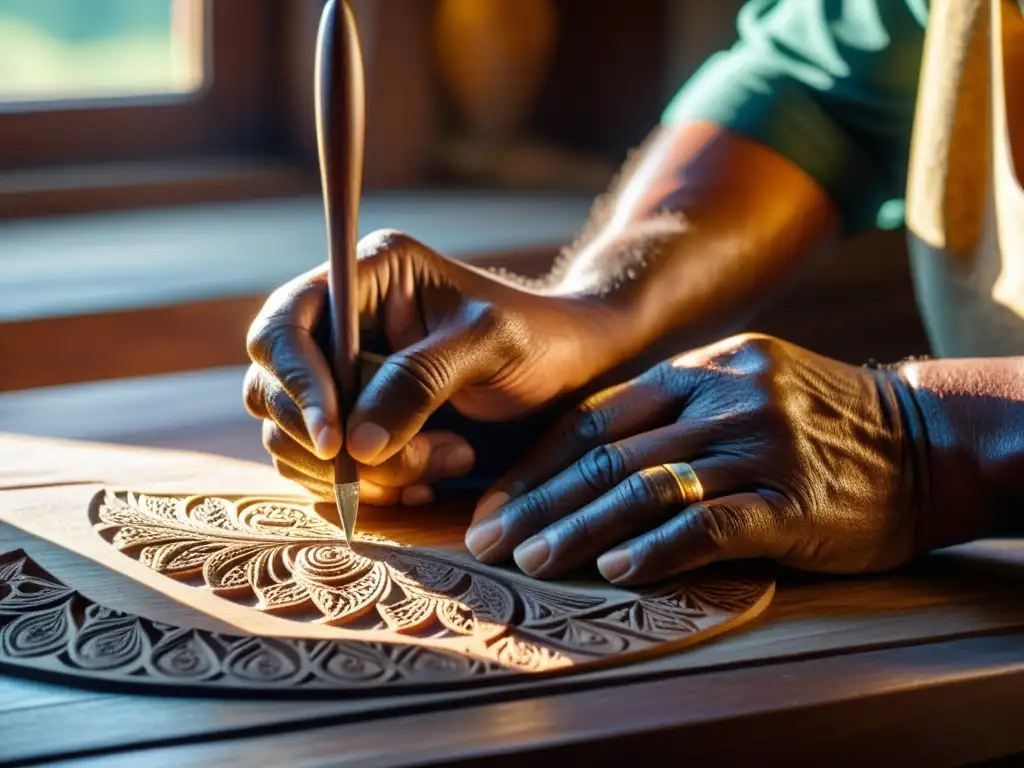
(48, 629)
(381, 614)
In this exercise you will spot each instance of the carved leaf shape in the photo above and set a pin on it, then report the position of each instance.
(10, 571)
(354, 663)
(263, 661)
(413, 614)
(520, 654)
(426, 574)
(26, 593)
(213, 513)
(180, 558)
(592, 637)
(426, 663)
(283, 596)
(541, 604)
(160, 507)
(659, 616)
(484, 610)
(131, 536)
(185, 655)
(714, 596)
(350, 601)
(227, 572)
(39, 633)
(109, 639)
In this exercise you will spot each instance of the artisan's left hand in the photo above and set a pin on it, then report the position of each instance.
(796, 457)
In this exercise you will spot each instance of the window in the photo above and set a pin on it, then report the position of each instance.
(53, 50)
(100, 82)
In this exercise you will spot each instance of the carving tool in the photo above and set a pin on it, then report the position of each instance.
(340, 132)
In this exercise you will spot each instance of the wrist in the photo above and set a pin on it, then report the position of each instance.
(962, 494)
(605, 292)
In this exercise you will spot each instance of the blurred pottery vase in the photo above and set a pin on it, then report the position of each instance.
(494, 56)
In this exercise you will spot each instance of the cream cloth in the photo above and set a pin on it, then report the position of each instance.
(965, 201)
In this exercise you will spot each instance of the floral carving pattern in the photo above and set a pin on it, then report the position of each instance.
(281, 555)
(46, 627)
(413, 619)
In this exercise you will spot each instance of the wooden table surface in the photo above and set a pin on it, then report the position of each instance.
(924, 666)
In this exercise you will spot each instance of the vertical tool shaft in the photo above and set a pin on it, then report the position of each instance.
(340, 126)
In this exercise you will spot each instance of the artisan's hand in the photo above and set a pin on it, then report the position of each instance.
(494, 350)
(801, 459)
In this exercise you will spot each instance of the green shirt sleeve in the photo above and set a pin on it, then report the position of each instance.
(829, 85)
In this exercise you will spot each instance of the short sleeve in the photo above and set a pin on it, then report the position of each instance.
(831, 86)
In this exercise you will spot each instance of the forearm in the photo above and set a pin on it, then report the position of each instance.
(970, 444)
(704, 228)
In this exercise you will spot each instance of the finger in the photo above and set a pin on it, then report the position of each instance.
(643, 500)
(740, 526)
(598, 472)
(427, 458)
(613, 414)
(369, 492)
(316, 486)
(388, 272)
(282, 447)
(280, 340)
(411, 384)
(264, 398)
(604, 467)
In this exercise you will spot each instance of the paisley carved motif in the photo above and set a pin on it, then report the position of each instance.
(411, 618)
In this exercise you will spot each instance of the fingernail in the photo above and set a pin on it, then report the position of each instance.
(489, 504)
(326, 440)
(366, 441)
(480, 538)
(532, 554)
(615, 564)
(417, 495)
(458, 460)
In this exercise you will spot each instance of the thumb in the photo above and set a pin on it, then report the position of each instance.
(412, 384)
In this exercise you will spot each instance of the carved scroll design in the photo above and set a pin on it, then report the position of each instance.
(46, 627)
(280, 554)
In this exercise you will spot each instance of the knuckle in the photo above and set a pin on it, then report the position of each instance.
(589, 423)
(603, 467)
(719, 524)
(575, 528)
(384, 241)
(273, 438)
(431, 374)
(296, 380)
(534, 510)
(638, 489)
(258, 340)
(253, 392)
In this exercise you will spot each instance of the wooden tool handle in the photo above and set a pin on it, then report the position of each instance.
(340, 128)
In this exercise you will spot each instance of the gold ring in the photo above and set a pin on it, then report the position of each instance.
(687, 482)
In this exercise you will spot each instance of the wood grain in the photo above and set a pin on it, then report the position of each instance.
(943, 705)
(949, 601)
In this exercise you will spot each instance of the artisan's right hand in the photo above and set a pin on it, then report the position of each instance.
(494, 350)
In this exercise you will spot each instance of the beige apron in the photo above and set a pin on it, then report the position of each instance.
(965, 201)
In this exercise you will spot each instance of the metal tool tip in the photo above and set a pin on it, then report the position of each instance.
(347, 497)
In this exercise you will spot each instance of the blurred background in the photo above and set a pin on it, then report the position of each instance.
(158, 178)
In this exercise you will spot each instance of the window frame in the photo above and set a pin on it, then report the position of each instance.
(230, 112)
(241, 135)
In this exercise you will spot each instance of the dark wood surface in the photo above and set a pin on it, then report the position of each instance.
(921, 666)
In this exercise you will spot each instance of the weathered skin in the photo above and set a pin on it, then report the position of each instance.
(819, 464)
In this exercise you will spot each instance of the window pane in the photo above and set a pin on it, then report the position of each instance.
(76, 49)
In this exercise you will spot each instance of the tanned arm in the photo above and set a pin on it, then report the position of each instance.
(702, 230)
